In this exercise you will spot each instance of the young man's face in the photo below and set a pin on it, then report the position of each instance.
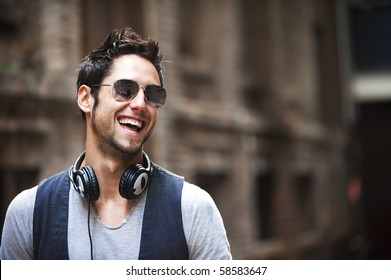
(123, 127)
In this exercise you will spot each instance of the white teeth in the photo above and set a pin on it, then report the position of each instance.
(136, 123)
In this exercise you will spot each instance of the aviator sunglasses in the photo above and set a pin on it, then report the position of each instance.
(125, 90)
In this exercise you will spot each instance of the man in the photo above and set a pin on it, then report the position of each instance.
(114, 203)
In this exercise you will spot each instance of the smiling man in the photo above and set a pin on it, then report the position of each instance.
(114, 202)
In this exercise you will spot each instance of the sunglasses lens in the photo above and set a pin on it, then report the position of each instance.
(156, 95)
(124, 90)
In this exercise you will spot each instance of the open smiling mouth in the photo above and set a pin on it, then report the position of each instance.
(131, 124)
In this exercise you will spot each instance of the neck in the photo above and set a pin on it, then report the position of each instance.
(108, 170)
(111, 208)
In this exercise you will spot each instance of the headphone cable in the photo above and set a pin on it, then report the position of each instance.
(89, 229)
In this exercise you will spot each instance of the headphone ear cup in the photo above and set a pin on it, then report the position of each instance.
(134, 181)
(87, 183)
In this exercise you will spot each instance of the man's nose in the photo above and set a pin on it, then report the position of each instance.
(138, 102)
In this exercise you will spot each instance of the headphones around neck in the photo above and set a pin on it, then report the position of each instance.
(134, 181)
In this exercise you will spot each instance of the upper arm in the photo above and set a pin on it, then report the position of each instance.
(203, 225)
(17, 235)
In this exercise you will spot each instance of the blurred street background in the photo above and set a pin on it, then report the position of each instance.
(281, 110)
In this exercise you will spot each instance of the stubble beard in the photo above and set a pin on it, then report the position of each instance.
(109, 145)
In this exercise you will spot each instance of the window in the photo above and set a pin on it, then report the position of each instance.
(101, 16)
(264, 201)
(304, 196)
(371, 38)
(214, 184)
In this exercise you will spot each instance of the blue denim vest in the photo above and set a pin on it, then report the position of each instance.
(162, 236)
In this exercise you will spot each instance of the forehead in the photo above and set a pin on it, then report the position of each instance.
(135, 68)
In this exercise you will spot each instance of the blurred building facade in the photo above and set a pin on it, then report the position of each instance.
(257, 110)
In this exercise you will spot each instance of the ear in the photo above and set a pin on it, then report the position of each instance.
(85, 101)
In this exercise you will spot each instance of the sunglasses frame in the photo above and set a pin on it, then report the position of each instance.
(132, 85)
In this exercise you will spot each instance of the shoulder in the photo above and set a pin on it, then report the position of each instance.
(198, 204)
(158, 170)
(53, 181)
(20, 210)
(22, 206)
(24, 201)
(166, 182)
(196, 198)
(192, 195)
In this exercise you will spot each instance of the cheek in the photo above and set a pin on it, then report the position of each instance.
(102, 117)
(154, 114)
(106, 107)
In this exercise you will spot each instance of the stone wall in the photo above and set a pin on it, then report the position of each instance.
(253, 112)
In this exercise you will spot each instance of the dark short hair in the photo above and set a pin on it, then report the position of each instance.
(97, 65)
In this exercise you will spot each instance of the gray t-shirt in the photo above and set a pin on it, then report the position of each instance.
(203, 227)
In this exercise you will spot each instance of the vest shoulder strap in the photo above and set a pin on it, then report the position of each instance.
(162, 235)
(50, 221)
